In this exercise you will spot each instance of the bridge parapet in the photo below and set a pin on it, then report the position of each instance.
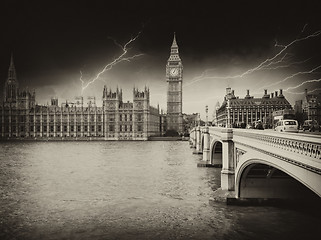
(306, 146)
(298, 155)
(303, 151)
(303, 145)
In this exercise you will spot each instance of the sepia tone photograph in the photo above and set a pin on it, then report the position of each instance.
(160, 120)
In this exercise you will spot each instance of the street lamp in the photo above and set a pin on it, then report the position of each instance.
(206, 110)
(228, 125)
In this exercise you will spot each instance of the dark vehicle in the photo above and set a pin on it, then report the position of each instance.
(311, 126)
(258, 125)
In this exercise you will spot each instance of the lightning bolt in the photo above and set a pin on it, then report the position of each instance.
(82, 81)
(110, 65)
(314, 90)
(286, 66)
(292, 76)
(266, 63)
(305, 25)
(301, 84)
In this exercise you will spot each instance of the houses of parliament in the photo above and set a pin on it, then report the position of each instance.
(21, 117)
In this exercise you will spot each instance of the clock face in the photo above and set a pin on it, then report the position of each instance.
(174, 72)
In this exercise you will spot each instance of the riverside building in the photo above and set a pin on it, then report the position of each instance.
(21, 117)
(238, 112)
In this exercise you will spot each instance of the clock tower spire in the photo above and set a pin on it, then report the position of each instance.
(174, 78)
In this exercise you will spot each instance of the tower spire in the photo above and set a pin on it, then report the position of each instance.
(174, 56)
(174, 44)
(12, 71)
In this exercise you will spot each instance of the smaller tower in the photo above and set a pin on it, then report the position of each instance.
(111, 103)
(141, 112)
(174, 78)
(112, 100)
(11, 84)
(54, 102)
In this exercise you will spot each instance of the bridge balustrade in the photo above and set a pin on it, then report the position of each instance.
(300, 150)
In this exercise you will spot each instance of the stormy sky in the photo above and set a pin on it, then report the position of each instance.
(221, 43)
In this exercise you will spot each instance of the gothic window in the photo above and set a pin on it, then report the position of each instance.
(71, 128)
(99, 128)
(98, 118)
(65, 128)
(92, 118)
(86, 128)
(111, 128)
(78, 128)
(130, 117)
(58, 129)
(111, 117)
(22, 118)
(44, 128)
(131, 128)
(139, 128)
(51, 128)
(64, 118)
(120, 117)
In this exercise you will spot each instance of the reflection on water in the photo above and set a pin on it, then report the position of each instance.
(126, 190)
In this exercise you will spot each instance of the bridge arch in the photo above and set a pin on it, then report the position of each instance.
(264, 178)
(216, 157)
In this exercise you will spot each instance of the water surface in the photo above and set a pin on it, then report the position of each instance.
(127, 190)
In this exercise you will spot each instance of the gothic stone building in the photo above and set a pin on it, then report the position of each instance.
(21, 117)
(309, 106)
(249, 109)
(174, 78)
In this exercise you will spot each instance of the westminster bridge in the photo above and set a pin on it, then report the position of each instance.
(260, 164)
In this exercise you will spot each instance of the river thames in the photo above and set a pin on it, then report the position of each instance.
(127, 190)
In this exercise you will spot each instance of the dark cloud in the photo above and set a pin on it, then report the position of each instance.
(53, 40)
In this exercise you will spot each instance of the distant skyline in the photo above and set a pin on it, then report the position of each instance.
(55, 43)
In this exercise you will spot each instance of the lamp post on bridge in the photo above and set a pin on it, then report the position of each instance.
(198, 119)
(206, 111)
(228, 124)
(198, 135)
(206, 146)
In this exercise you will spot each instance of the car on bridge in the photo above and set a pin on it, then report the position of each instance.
(311, 126)
(288, 125)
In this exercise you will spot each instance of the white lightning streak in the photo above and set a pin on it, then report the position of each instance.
(301, 84)
(292, 76)
(285, 66)
(265, 63)
(110, 65)
(305, 25)
(314, 90)
(284, 47)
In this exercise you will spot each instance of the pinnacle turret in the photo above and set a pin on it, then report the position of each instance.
(174, 44)
(174, 56)
(12, 77)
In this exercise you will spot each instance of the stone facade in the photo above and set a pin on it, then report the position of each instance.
(174, 78)
(311, 106)
(21, 117)
(238, 112)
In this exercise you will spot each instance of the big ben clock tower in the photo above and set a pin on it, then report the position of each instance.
(174, 77)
